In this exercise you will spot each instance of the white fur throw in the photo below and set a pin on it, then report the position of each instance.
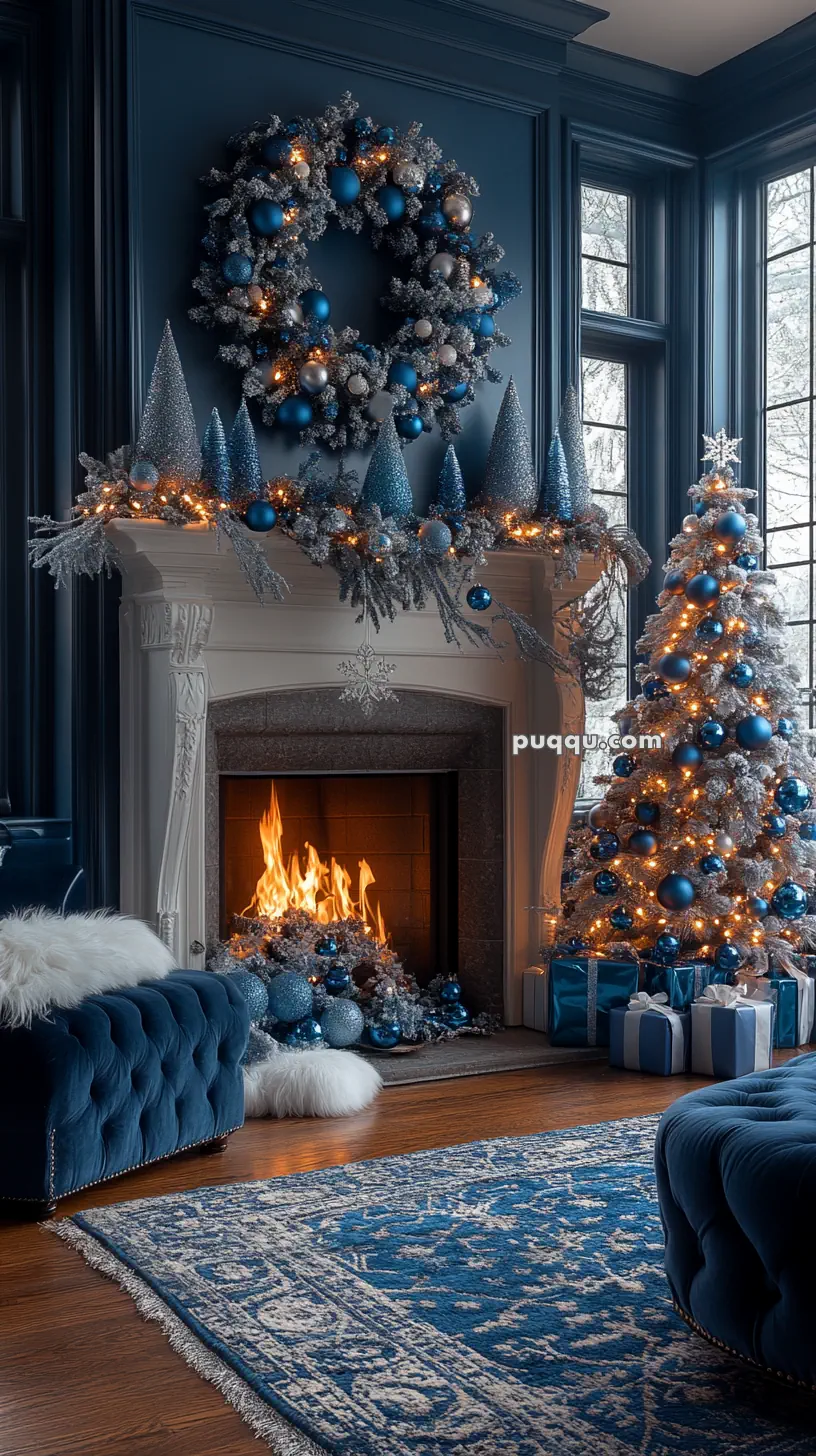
(50, 960)
(322, 1083)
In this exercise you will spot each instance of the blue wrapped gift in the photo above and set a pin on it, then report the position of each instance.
(793, 999)
(730, 1033)
(648, 1036)
(582, 993)
(683, 984)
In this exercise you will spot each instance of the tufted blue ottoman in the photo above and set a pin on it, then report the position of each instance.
(736, 1179)
(119, 1081)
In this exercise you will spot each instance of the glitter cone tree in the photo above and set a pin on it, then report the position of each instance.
(706, 845)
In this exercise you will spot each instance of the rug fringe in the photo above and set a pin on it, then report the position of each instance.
(280, 1435)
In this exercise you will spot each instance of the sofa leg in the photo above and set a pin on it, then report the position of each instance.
(216, 1145)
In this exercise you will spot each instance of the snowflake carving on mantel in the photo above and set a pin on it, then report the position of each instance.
(367, 676)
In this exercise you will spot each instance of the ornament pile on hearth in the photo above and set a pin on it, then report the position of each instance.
(704, 846)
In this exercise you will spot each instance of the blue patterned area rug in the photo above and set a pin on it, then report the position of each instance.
(497, 1299)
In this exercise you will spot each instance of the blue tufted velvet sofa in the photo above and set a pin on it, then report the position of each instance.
(118, 1081)
(736, 1179)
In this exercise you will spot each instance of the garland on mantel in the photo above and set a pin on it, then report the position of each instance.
(386, 556)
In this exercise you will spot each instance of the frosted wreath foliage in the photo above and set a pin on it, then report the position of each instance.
(274, 334)
(732, 791)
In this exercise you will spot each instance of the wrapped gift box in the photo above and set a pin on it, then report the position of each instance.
(730, 1033)
(793, 999)
(535, 1005)
(582, 993)
(648, 1036)
(683, 984)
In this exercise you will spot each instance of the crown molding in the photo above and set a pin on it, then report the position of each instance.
(768, 89)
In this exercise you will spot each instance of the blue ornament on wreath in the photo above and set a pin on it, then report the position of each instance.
(624, 765)
(384, 1034)
(807, 833)
(730, 527)
(790, 901)
(675, 892)
(710, 629)
(306, 1033)
(793, 795)
(454, 395)
(392, 202)
(647, 811)
(711, 864)
(674, 582)
(401, 372)
(326, 946)
(253, 991)
(435, 537)
(295, 413)
(620, 918)
(344, 185)
(143, 476)
(342, 1023)
(753, 732)
(674, 668)
(456, 1016)
(260, 515)
(385, 134)
(687, 755)
(604, 846)
(711, 734)
(409, 426)
(237, 269)
(747, 561)
(775, 826)
(450, 991)
(642, 842)
(337, 979)
(606, 882)
(479, 598)
(265, 217)
(728, 957)
(741, 675)
(666, 949)
(289, 997)
(315, 304)
(757, 906)
(655, 689)
(786, 727)
(703, 590)
(276, 152)
(486, 326)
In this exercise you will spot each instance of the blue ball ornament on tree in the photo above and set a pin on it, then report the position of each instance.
(775, 826)
(757, 906)
(326, 946)
(642, 842)
(392, 202)
(741, 674)
(486, 326)
(747, 560)
(675, 892)
(604, 846)
(647, 811)
(306, 1033)
(711, 864)
(674, 582)
(730, 527)
(289, 997)
(409, 426)
(703, 589)
(753, 732)
(699, 509)
(265, 217)
(807, 832)
(655, 689)
(295, 413)
(315, 304)
(401, 372)
(786, 727)
(435, 536)
(728, 957)
(450, 991)
(666, 949)
(237, 269)
(260, 515)
(687, 755)
(711, 734)
(344, 185)
(341, 1022)
(620, 918)
(793, 795)
(384, 1034)
(674, 668)
(710, 629)
(276, 152)
(790, 901)
(624, 765)
(479, 598)
(606, 882)
(336, 980)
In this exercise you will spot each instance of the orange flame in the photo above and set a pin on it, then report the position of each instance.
(322, 890)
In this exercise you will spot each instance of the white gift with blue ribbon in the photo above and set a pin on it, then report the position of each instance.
(731, 1034)
(648, 1035)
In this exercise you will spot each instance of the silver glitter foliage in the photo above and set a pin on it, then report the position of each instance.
(167, 434)
(509, 478)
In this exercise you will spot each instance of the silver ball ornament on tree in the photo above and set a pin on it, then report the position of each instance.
(723, 842)
(423, 328)
(313, 376)
(447, 354)
(341, 1022)
(291, 313)
(457, 208)
(435, 537)
(689, 525)
(357, 385)
(143, 476)
(409, 176)
(302, 171)
(442, 263)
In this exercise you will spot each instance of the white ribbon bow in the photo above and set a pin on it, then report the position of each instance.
(643, 1001)
(719, 995)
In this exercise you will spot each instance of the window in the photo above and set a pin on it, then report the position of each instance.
(790, 239)
(605, 264)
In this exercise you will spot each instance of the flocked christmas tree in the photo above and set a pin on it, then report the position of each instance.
(706, 845)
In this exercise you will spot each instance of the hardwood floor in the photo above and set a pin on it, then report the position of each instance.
(81, 1374)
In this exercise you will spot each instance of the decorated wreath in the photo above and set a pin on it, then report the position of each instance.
(287, 183)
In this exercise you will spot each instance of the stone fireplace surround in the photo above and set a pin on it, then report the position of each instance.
(311, 732)
(201, 662)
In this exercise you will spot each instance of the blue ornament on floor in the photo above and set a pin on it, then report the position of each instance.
(790, 901)
(276, 152)
(409, 426)
(326, 946)
(711, 864)
(807, 832)
(675, 892)
(666, 949)
(401, 372)
(774, 825)
(450, 991)
(265, 217)
(315, 303)
(624, 765)
(260, 515)
(786, 727)
(253, 991)
(344, 186)
(710, 629)
(728, 957)
(384, 1034)
(306, 1033)
(604, 846)
(295, 413)
(711, 734)
(747, 560)
(757, 906)
(479, 598)
(342, 1022)
(647, 811)
(674, 667)
(435, 537)
(703, 589)
(674, 582)
(392, 202)
(237, 268)
(793, 795)
(337, 979)
(741, 675)
(143, 476)
(620, 919)
(453, 396)
(730, 527)
(753, 732)
(642, 842)
(687, 755)
(289, 996)
(456, 1016)
(606, 882)
(655, 689)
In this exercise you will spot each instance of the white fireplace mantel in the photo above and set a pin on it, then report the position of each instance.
(192, 632)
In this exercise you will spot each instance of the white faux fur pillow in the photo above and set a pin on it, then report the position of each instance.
(321, 1083)
(50, 960)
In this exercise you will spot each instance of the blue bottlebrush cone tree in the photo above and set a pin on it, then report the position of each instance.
(708, 838)
(555, 498)
(248, 478)
(571, 435)
(386, 481)
(216, 469)
(450, 495)
(509, 478)
(167, 435)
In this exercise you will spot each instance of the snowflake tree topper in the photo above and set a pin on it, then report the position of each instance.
(720, 450)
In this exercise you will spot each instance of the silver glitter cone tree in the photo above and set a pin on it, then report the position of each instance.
(167, 435)
(571, 435)
(509, 479)
(450, 496)
(216, 469)
(248, 478)
(704, 845)
(386, 481)
(555, 499)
